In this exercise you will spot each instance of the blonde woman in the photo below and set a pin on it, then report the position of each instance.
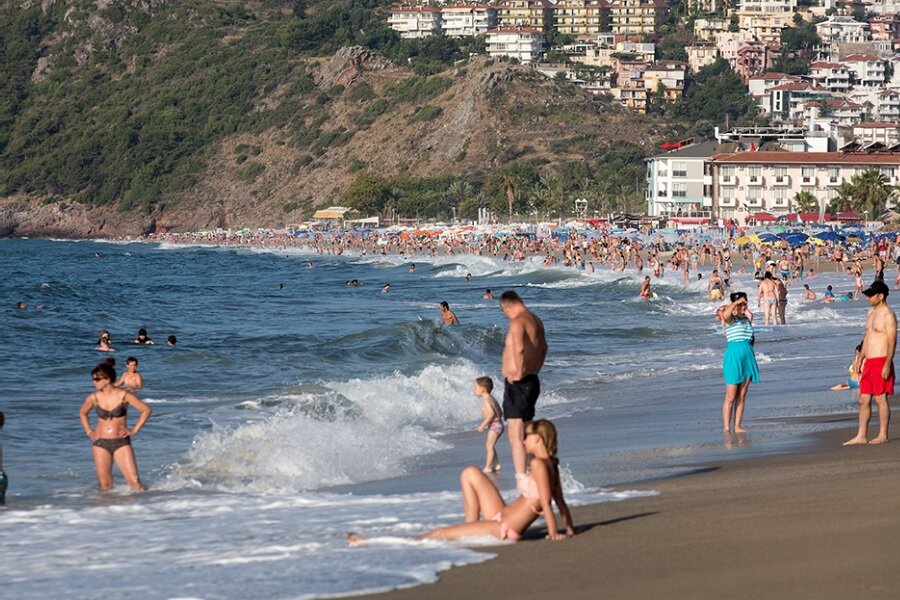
(487, 513)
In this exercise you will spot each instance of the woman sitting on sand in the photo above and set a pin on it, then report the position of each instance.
(509, 522)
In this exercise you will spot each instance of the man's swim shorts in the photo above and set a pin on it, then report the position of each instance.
(520, 397)
(871, 382)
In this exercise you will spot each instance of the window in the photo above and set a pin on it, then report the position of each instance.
(755, 173)
(808, 173)
(781, 194)
(679, 190)
(679, 169)
(834, 174)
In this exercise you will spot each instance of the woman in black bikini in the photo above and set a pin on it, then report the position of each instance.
(112, 437)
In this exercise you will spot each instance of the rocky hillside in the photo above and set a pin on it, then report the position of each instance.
(134, 120)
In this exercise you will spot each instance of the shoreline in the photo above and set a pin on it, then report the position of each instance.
(816, 523)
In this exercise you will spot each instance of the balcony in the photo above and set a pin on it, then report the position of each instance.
(781, 203)
(833, 181)
(728, 202)
(727, 180)
(781, 180)
(755, 180)
(753, 202)
(808, 181)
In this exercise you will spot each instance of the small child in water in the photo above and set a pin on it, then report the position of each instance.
(493, 422)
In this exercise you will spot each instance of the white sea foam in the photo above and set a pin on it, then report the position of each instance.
(164, 540)
(360, 430)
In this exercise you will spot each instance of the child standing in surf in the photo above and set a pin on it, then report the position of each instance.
(493, 422)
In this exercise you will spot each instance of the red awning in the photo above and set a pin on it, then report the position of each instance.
(847, 216)
(762, 217)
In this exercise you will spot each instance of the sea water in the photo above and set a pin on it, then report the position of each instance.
(295, 408)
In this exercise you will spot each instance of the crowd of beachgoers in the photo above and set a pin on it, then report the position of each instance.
(681, 251)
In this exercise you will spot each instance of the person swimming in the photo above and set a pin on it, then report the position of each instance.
(142, 338)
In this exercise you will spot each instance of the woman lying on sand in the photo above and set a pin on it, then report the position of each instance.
(509, 522)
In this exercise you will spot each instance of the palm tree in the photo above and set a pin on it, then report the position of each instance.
(843, 198)
(511, 188)
(805, 202)
(871, 191)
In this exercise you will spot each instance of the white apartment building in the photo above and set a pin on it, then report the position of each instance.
(761, 85)
(678, 185)
(843, 28)
(745, 183)
(788, 101)
(705, 29)
(867, 70)
(524, 43)
(415, 21)
(701, 56)
(767, 6)
(461, 20)
(832, 76)
(877, 132)
(883, 7)
(837, 112)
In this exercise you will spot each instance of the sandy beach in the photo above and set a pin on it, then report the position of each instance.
(817, 524)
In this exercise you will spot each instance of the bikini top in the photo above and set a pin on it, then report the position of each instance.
(117, 413)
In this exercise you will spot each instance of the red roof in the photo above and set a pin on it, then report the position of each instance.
(878, 125)
(824, 64)
(776, 77)
(799, 86)
(859, 58)
(807, 158)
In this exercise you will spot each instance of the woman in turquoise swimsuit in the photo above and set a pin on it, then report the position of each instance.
(739, 364)
(537, 489)
(112, 437)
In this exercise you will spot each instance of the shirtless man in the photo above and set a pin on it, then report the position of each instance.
(878, 264)
(448, 316)
(768, 297)
(130, 380)
(645, 288)
(877, 356)
(524, 352)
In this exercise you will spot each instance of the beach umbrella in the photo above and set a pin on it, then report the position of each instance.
(768, 238)
(829, 236)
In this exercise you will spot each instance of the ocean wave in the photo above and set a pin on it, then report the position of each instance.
(350, 431)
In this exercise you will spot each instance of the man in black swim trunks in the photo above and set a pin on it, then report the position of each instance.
(523, 356)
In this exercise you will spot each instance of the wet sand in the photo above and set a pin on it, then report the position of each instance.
(818, 524)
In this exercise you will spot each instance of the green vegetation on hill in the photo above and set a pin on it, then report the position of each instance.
(127, 110)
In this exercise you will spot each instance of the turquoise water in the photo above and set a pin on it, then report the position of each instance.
(295, 407)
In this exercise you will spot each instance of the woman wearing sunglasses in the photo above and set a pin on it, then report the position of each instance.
(537, 489)
(112, 437)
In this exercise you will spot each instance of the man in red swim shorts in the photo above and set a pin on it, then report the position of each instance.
(877, 379)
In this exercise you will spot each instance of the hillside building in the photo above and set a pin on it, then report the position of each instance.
(413, 22)
(532, 14)
(523, 43)
(461, 20)
(581, 17)
(636, 17)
